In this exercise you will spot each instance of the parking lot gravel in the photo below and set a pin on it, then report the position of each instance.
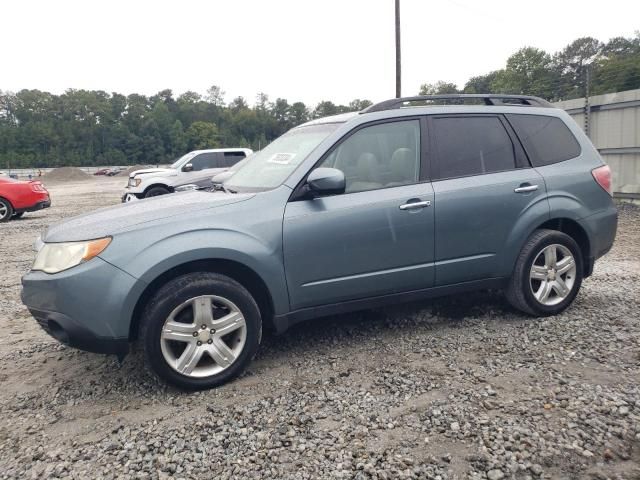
(462, 387)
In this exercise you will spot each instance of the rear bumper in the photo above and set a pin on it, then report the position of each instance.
(34, 208)
(602, 228)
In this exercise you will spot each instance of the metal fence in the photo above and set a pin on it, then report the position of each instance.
(612, 121)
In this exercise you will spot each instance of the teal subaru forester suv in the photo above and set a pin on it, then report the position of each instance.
(408, 199)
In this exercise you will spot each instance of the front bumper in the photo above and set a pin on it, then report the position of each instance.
(74, 334)
(87, 307)
(129, 197)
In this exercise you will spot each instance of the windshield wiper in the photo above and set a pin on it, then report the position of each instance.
(222, 188)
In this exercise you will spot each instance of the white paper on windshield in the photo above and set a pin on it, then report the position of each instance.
(281, 158)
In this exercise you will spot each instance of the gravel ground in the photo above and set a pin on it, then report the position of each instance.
(461, 387)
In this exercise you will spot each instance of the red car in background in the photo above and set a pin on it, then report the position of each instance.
(17, 197)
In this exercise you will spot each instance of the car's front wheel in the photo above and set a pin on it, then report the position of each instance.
(156, 191)
(6, 210)
(200, 330)
(547, 275)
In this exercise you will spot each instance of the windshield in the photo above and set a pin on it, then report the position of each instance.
(271, 166)
(182, 160)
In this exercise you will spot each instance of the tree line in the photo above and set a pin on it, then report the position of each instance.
(586, 65)
(81, 128)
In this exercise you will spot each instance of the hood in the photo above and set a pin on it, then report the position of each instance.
(123, 217)
(163, 172)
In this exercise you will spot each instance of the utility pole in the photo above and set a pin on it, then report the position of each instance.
(587, 105)
(398, 70)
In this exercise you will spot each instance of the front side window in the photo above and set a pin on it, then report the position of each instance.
(272, 165)
(379, 156)
(471, 146)
(205, 160)
(183, 160)
(547, 140)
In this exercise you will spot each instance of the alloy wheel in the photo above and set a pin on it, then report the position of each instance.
(552, 275)
(203, 336)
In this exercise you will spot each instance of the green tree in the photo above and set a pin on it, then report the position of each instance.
(438, 88)
(357, 105)
(215, 96)
(177, 139)
(570, 65)
(325, 109)
(202, 135)
(481, 83)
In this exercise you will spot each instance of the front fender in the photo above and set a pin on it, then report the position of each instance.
(172, 251)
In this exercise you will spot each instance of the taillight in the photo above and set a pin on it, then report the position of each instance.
(37, 187)
(602, 175)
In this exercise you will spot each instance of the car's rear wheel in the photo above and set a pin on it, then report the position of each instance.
(6, 210)
(547, 275)
(156, 191)
(200, 330)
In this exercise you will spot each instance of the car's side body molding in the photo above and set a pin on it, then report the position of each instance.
(284, 321)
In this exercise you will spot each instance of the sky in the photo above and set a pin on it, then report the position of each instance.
(301, 50)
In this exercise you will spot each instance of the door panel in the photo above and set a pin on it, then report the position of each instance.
(479, 213)
(475, 217)
(356, 245)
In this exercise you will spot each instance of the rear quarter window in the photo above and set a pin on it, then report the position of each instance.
(547, 140)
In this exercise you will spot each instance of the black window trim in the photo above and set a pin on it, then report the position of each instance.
(520, 156)
(424, 171)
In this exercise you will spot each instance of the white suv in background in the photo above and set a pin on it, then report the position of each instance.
(197, 167)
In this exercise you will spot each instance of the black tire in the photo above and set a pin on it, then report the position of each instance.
(18, 215)
(519, 291)
(156, 191)
(6, 210)
(174, 294)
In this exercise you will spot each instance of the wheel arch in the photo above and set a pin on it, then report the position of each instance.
(572, 228)
(158, 184)
(7, 200)
(238, 271)
(12, 208)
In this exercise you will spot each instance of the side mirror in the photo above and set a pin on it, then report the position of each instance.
(326, 181)
(188, 168)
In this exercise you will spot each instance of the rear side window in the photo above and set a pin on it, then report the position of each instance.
(231, 158)
(471, 146)
(547, 140)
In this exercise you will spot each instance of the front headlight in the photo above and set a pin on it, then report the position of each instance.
(56, 257)
(134, 182)
(187, 188)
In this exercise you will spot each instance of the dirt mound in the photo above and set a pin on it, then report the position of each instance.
(134, 168)
(66, 173)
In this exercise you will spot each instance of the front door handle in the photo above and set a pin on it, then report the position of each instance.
(526, 188)
(413, 205)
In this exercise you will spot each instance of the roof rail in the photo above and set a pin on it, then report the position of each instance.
(493, 99)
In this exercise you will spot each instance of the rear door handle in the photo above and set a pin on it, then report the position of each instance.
(525, 189)
(413, 205)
